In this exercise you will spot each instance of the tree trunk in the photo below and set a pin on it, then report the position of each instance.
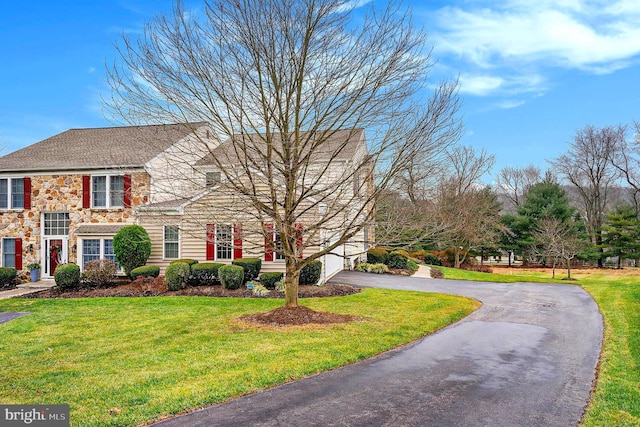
(568, 269)
(291, 279)
(456, 258)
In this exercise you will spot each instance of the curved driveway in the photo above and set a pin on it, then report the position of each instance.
(526, 358)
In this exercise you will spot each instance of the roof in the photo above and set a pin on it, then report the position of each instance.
(98, 147)
(85, 229)
(341, 144)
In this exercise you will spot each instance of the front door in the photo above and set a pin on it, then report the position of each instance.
(55, 254)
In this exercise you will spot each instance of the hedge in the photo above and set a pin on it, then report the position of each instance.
(176, 275)
(205, 273)
(310, 273)
(67, 276)
(7, 275)
(377, 256)
(145, 271)
(251, 267)
(397, 259)
(269, 280)
(189, 261)
(231, 276)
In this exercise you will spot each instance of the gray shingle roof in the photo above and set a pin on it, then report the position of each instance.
(338, 144)
(99, 228)
(97, 148)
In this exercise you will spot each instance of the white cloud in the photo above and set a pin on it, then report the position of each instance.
(520, 38)
(508, 104)
(479, 85)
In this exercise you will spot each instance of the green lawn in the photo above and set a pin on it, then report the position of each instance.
(616, 401)
(126, 361)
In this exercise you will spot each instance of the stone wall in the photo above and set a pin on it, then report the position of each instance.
(63, 193)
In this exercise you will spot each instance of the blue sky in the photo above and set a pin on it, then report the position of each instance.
(531, 72)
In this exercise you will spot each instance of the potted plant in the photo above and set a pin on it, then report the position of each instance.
(34, 270)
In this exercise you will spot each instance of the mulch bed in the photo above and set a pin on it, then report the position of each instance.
(297, 316)
(283, 316)
(148, 288)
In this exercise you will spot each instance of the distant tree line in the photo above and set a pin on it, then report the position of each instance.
(585, 207)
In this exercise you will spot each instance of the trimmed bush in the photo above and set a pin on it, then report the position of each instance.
(269, 279)
(251, 267)
(99, 272)
(402, 252)
(397, 260)
(67, 276)
(231, 276)
(377, 256)
(205, 273)
(412, 265)
(372, 268)
(189, 261)
(310, 273)
(432, 259)
(176, 275)
(260, 291)
(145, 271)
(132, 247)
(7, 275)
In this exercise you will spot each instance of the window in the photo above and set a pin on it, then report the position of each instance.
(93, 249)
(107, 191)
(171, 241)
(12, 193)
(90, 250)
(213, 178)
(277, 253)
(224, 241)
(9, 253)
(56, 224)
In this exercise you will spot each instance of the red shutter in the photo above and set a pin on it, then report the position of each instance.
(27, 193)
(268, 242)
(211, 242)
(18, 254)
(127, 191)
(237, 241)
(299, 228)
(86, 191)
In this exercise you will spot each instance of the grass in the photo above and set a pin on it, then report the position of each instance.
(616, 399)
(127, 361)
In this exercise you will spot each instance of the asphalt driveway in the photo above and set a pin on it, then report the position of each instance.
(526, 358)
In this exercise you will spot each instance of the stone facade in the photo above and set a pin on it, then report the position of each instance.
(62, 193)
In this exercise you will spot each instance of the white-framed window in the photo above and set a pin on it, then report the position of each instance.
(93, 249)
(12, 193)
(56, 224)
(107, 191)
(224, 241)
(171, 242)
(9, 253)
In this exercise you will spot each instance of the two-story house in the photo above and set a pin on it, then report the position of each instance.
(64, 198)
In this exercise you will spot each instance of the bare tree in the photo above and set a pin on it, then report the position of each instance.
(467, 210)
(557, 241)
(626, 160)
(276, 80)
(513, 183)
(587, 167)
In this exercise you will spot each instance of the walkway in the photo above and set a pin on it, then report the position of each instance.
(526, 358)
(27, 288)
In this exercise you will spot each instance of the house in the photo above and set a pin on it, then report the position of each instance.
(64, 198)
